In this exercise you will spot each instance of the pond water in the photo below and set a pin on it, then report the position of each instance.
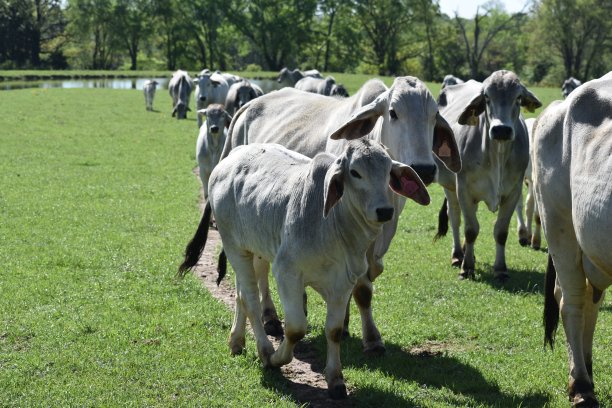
(266, 85)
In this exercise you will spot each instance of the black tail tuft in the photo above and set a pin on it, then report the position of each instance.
(442, 221)
(221, 267)
(551, 307)
(196, 246)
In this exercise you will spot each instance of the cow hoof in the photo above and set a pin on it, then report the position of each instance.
(337, 392)
(274, 328)
(467, 274)
(456, 262)
(376, 349)
(236, 350)
(524, 242)
(585, 401)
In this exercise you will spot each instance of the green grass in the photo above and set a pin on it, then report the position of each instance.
(97, 201)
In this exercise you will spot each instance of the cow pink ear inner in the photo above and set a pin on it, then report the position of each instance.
(444, 150)
(410, 187)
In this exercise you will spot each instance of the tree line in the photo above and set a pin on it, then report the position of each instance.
(546, 42)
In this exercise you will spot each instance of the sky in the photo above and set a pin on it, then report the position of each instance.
(467, 8)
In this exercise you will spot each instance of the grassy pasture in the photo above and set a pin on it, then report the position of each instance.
(98, 199)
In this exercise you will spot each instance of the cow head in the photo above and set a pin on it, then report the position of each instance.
(569, 85)
(283, 75)
(217, 119)
(501, 97)
(339, 90)
(411, 127)
(362, 174)
(180, 110)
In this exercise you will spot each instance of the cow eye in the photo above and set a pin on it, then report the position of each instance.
(392, 114)
(519, 100)
(355, 174)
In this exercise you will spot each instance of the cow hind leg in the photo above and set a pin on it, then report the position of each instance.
(372, 341)
(522, 227)
(269, 316)
(291, 292)
(247, 293)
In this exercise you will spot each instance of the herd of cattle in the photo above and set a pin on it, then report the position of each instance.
(313, 182)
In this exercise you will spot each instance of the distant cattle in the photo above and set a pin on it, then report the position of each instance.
(527, 234)
(572, 167)
(211, 87)
(494, 147)
(290, 78)
(149, 93)
(451, 80)
(240, 93)
(569, 85)
(313, 219)
(404, 118)
(180, 88)
(211, 140)
(316, 85)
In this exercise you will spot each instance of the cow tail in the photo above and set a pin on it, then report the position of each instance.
(221, 267)
(551, 307)
(195, 247)
(442, 221)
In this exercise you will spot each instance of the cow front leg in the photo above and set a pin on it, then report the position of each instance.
(371, 339)
(500, 232)
(454, 216)
(336, 387)
(471, 230)
(290, 291)
(269, 316)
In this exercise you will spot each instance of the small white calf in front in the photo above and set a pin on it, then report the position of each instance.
(149, 93)
(211, 140)
(572, 167)
(313, 219)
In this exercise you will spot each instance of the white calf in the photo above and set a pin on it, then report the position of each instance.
(149, 93)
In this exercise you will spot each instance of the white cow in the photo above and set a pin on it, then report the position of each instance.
(316, 85)
(291, 77)
(569, 85)
(314, 220)
(494, 148)
(148, 89)
(240, 93)
(211, 140)
(180, 87)
(404, 118)
(572, 167)
(451, 80)
(527, 235)
(210, 88)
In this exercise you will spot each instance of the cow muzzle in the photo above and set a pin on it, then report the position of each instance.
(427, 172)
(214, 129)
(502, 132)
(384, 214)
(202, 98)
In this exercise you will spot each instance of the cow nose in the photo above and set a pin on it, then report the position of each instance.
(214, 129)
(384, 214)
(501, 132)
(427, 172)
(202, 98)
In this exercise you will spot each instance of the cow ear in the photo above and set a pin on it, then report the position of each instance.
(333, 185)
(202, 112)
(362, 121)
(474, 108)
(445, 146)
(529, 100)
(406, 182)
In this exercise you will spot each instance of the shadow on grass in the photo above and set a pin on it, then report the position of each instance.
(432, 372)
(519, 281)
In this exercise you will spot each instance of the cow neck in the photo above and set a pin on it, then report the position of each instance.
(351, 227)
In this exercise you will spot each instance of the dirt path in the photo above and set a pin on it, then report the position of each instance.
(304, 375)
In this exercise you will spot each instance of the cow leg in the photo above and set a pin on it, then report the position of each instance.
(454, 215)
(248, 297)
(269, 317)
(500, 232)
(530, 209)
(237, 334)
(471, 230)
(523, 229)
(372, 341)
(536, 238)
(591, 311)
(333, 333)
(290, 291)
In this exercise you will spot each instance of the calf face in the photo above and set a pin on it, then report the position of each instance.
(501, 98)
(217, 119)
